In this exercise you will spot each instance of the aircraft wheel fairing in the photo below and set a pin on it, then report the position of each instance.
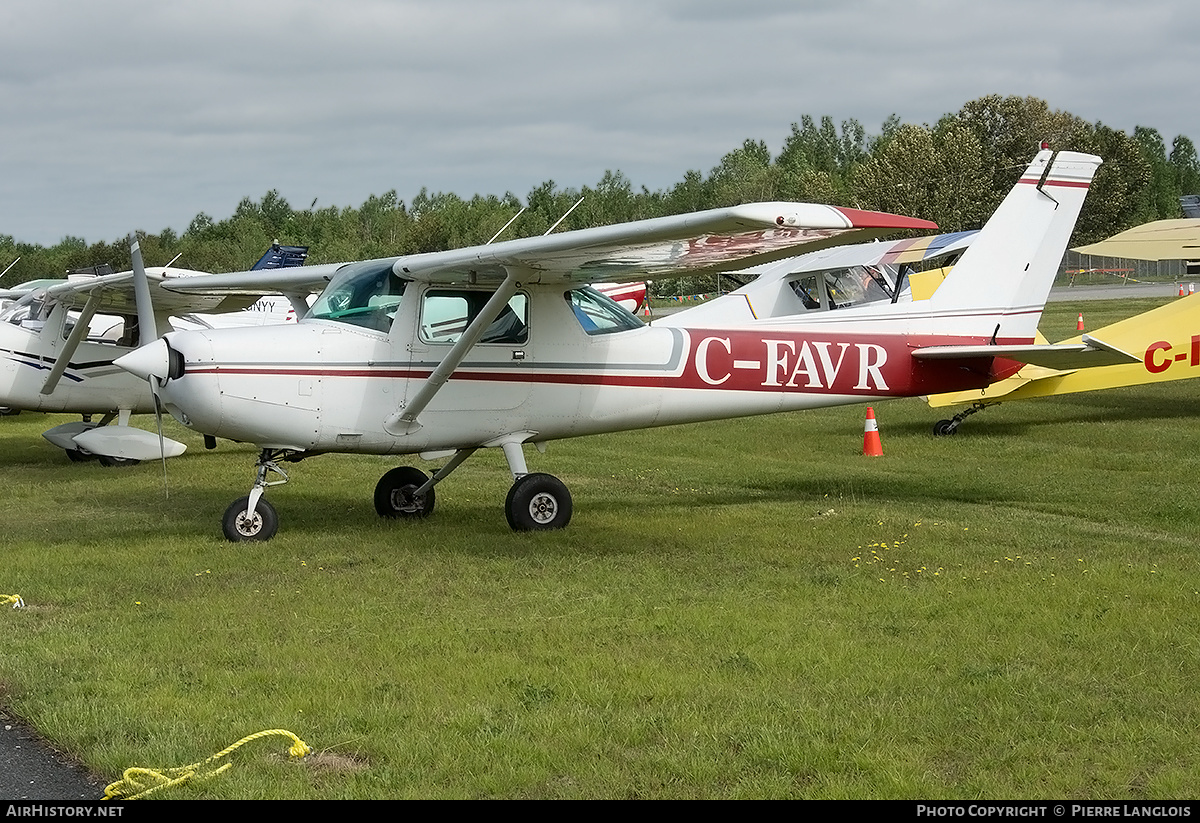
(538, 502)
(238, 528)
(394, 493)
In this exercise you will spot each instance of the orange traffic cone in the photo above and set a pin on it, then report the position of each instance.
(871, 445)
(1079, 325)
(1181, 290)
(646, 308)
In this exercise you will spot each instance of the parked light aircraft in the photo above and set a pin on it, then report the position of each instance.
(59, 338)
(1164, 341)
(497, 346)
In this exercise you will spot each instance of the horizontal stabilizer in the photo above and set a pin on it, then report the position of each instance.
(127, 442)
(1060, 356)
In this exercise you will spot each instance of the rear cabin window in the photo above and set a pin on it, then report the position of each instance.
(840, 288)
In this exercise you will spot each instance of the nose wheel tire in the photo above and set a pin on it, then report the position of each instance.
(239, 528)
(394, 494)
(538, 502)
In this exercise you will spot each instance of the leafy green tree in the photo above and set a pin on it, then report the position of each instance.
(899, 177)
(744, 175)
(1119, 195)
(1185, 165)
(1161, 198)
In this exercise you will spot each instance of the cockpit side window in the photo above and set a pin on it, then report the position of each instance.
(840, 288)
(363, 294)
(599, 314)
(808, 289)
(446, 313)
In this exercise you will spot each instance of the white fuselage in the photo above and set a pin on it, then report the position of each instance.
(90, 384)
(329, 386)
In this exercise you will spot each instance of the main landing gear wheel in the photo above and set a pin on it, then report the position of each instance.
(239, 528)
(394, 493)
(79, 455)
(115, 462)
(538, 502)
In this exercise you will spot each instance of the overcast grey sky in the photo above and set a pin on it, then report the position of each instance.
(138, 114)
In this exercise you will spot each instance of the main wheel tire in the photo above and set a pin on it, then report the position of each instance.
(79, 455)
(944, 428)
(116, 462)
(8, 411)
(239, 528)
(538, 502)
(394, 493)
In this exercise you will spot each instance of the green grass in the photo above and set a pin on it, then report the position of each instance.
(739, 609)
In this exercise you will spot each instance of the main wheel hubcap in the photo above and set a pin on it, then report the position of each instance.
(543, 508)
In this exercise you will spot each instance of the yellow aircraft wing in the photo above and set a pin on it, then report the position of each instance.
(1160, 240)
(1167, 339)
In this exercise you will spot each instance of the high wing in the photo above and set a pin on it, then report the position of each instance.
(708, 241)
(114, 294)
(1160, 240)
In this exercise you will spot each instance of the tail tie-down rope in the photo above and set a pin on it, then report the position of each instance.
(136, 783)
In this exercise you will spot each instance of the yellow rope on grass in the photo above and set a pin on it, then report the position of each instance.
(137, 783)
(15, 599)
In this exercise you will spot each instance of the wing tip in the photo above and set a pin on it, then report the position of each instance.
(861, 219)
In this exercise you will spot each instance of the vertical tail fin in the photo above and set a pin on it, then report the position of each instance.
(1000, 285)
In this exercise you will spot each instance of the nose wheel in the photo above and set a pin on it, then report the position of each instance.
(240, 524)
(252, 517)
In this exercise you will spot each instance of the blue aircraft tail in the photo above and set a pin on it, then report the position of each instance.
(281, 257)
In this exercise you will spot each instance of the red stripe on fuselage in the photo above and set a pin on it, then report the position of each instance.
(730, 360)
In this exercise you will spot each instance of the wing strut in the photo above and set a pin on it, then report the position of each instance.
(72, 343)
(404, 420)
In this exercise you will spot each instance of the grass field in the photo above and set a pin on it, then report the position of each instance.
(744, 609)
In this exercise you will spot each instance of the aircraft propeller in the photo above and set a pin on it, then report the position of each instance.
(148, 335)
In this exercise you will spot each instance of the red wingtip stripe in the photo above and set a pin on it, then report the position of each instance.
(860, 219)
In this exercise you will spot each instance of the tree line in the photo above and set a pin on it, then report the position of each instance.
(954, 172)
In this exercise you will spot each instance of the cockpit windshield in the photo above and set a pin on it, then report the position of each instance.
(362, 294)
(599, 314)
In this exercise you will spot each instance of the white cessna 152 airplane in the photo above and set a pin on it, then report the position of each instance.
(497, 346)
(59, 338)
